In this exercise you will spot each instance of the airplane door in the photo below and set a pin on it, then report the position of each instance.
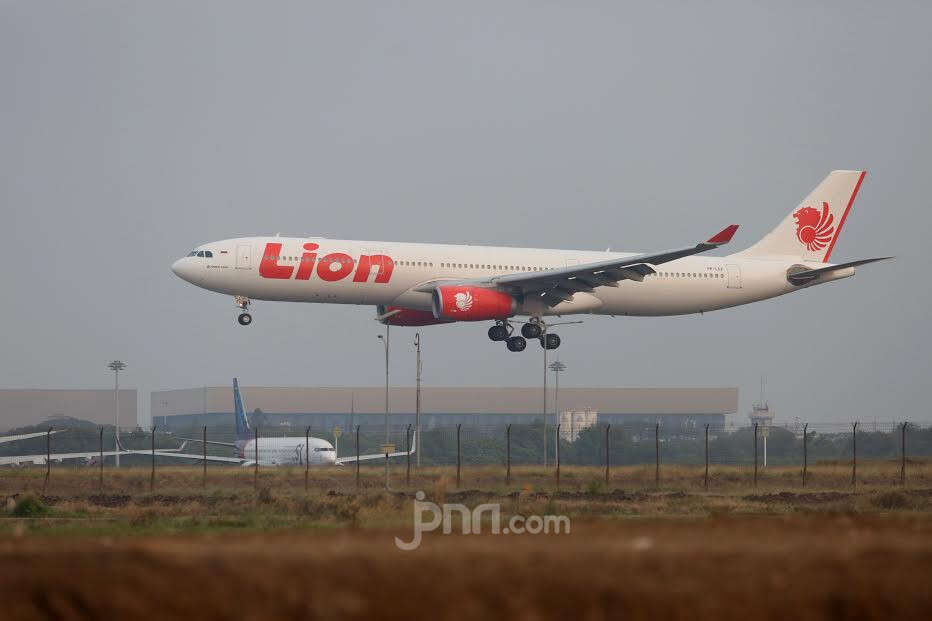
(243, 257)
(734, 276)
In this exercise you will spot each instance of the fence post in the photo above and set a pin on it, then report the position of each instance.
(508, 455)
(357, 456)
(706, 482)
(204, 449)
(152, 474)
(101, 457)
(607, 460)
(903, 455)
(755, 454)
(255, 467)
(854, 454)
(48, 458)
(557, 446)
(408, 451)
(805, 452)
(458, 455)
(307, 454)
(657, 455)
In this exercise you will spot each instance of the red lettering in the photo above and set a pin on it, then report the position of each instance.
(385, 263)
(307, 262)
(269, 267)
(343, 263)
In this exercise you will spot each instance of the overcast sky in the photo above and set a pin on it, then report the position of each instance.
(132, 131)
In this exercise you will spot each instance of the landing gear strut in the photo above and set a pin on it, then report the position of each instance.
(242, 302)
(533, 329)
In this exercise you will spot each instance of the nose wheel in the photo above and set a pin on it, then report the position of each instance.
(242, 302)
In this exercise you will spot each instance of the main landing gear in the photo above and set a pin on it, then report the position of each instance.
(534, 329)
(242, 302)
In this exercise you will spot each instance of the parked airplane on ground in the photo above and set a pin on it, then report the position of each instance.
(415, 284)
(275, 451)
(270, 451)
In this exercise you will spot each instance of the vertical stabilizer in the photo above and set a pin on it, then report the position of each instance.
(239, 412)
(810, 231)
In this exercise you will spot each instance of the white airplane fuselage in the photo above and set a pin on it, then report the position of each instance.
(342, 272)
(288, 451)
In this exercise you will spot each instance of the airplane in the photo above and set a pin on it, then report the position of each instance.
(418, 284)
(274, 451)
(271, 451)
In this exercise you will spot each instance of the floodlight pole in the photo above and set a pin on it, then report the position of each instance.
(556, 366)
(543, 340)
(384, 340)
(116, 366)
(417, 402)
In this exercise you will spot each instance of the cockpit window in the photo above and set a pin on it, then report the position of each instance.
(208, 254)
(324, 449)
(200, 253)
(192, 253)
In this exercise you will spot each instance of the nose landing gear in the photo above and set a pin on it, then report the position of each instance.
(242, 302)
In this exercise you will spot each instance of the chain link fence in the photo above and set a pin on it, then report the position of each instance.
(601, 445)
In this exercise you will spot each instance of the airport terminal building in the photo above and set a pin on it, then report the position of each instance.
(25, 407)
(479, 406)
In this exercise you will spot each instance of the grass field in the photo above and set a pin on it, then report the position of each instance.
(264, 548)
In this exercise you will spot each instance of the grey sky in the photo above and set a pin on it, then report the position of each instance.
(132, 131)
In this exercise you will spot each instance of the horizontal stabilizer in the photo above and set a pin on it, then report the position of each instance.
(805, 276)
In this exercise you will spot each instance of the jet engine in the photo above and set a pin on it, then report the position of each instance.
(466, 303)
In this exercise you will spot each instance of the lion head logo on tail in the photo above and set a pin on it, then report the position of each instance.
(814, 229)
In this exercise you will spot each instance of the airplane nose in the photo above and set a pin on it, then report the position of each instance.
(186, 269)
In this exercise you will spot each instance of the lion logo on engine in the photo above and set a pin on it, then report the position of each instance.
(463, 301)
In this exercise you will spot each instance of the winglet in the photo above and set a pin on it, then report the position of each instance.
(724, 236)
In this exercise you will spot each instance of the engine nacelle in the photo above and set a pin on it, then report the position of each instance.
(408, 317)
(465, 303)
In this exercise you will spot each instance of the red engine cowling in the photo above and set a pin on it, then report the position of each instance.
(464, 303)
(408, 317)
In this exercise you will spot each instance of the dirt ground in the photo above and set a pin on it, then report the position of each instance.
(635, 552)
(734, 567)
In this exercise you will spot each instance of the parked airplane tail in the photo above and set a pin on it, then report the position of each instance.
(810, 231)
(239, 411)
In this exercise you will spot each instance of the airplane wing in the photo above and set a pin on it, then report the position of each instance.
(169, 453)
(12, 460)
(26, 436)
(208, 441)
(558, 285)
(804, 276)
(350, 459)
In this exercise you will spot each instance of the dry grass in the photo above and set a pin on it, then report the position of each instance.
(269, 549)
(800, 566)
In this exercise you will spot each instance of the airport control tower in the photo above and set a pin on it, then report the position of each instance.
(762, 416)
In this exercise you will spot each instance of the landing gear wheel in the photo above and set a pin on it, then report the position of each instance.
(498, 332)
(516, 343)
(550, 341)
(244, 319)
(531, 330)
